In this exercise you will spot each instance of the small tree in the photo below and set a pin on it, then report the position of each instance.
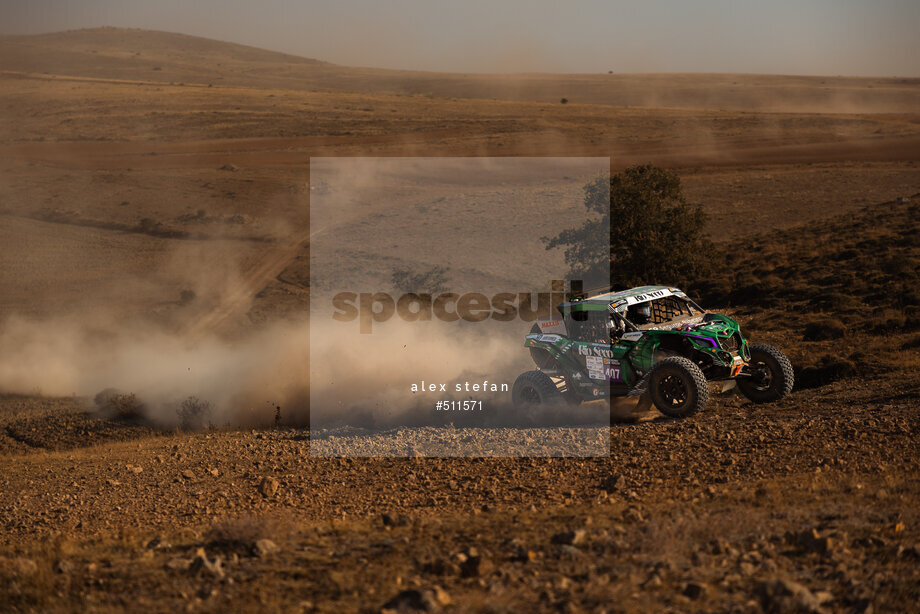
(194, 414)
(655, 237)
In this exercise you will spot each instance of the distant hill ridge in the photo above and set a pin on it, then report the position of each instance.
(108, 40)
(134, 54)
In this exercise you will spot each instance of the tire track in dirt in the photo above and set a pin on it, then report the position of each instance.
(237, 300)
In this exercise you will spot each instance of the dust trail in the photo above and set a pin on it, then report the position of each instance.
(367, 380)
(353, 380)
(243, 380)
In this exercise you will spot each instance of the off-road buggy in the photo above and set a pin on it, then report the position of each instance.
(652, 342)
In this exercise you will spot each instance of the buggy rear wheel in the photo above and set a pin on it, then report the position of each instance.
(534, 388)
(678, 387)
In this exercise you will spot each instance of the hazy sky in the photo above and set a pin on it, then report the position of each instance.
(828, 37)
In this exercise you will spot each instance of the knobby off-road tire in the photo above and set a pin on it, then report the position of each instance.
(776, 377)
(534, 388)
(678, 388)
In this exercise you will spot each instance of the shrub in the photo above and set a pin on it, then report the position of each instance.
(911, 344)
(120, 406)
(757, 293)
(712, 291)
(899, 265)
(240, 534)
(892, 321)
(847, 254)
(194, 414)
(822, 330)
(830, 369)
(835, 302)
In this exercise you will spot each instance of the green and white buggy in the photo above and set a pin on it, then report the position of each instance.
(652, 342)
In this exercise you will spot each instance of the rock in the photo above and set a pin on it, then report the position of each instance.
(188, 474)
(214, 472)
(229, 167)
(570, 538)
(694, 590)
(202, 565)
(441, 567)
(265, 547)
(178, 564)
(613, 483)
(786, 596)
(418, 600)
(871, 541)
(520, 553)
(473, 564)
(394, 520)
(527, 556)
(63, 566)
(824, 596)
(813, 541)
(158, 544)
(747, 569)
(632, 514)
(269, 486)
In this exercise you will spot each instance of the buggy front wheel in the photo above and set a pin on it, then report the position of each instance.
(768, 377)
(678, 387)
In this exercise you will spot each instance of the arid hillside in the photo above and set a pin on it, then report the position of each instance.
(133, 55)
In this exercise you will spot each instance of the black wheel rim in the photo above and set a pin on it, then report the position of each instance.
(530, 396)
(673, 390)
(762, 377)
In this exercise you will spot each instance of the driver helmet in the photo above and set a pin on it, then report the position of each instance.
(642, 312)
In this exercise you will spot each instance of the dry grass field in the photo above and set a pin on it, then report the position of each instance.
(155, 227)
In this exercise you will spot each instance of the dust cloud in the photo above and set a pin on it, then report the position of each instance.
(362, 381)
(243, 380)
(367, 380)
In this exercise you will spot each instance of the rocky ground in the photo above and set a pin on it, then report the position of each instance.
(808, 505)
